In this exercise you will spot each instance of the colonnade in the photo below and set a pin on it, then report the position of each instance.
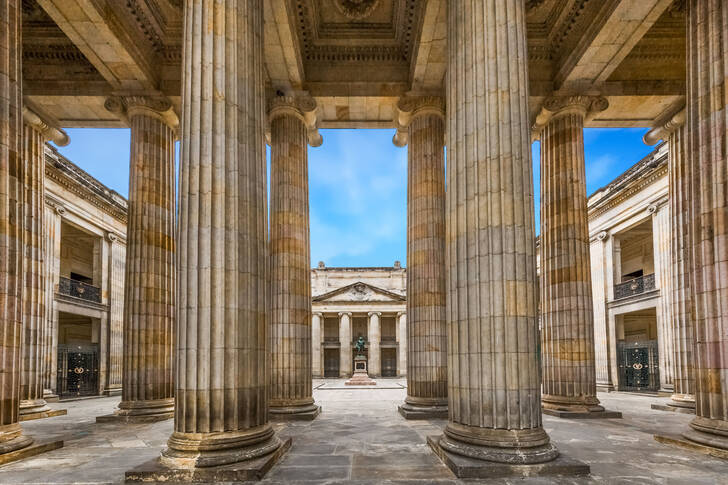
(240, 337)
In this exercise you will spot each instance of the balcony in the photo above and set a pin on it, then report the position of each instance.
(77, 289)
(634, 286)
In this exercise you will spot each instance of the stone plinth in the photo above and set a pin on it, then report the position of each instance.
(361, 373)
(36, 448)
(49, 413)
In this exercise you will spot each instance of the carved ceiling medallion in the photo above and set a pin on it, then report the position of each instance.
(357, 9)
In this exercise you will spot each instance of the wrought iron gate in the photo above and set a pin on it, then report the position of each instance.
(78, 370)
(638, 366)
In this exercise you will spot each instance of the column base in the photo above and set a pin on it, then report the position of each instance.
(305, 412)
(467, 467)
(680, 403)
(33, 406)
(576, 408)
(50, 396)
(51, 413)
(140, 412)
(161, 471)
(114, 391)
(419, 408)
(689, 444)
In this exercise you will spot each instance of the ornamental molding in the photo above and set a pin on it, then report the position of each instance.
(356, 9)
(603, 236)
(154, 106)
(410, 107)
(300, 106)
(555, 107)
(625, 193)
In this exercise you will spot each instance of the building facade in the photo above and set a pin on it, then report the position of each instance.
(85, 245)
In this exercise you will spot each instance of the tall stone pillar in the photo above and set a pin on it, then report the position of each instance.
(221, 412)
(36, 326)
(345, 357)
(494, 392)
(317, 322)
(402, 342)
(148, 343)
(426, 330)
(707, 147)
(673, 131)
(290, 257)
(374, 336)
(567, 317)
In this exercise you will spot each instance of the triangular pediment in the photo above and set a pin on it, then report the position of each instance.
(359, 291)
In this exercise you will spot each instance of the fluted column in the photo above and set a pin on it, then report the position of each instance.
(221, 412)
(374, 337)
(11, 230)
(36, 132)
(316, 328)
(707, 149)
(290, 258)
(402, 341)
(148, 342)
(567, 317)
(345, 358)
(426, 327)
(493, 372)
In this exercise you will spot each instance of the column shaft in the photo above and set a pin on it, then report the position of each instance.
(290, 256)
(11, 230)
(316, 329)
(374, 365)
(661, 243)
(567, 319)
(148, 362)
(426, 327)
(682, 324)
(707, 146)
(221, 412)
(402, 326)
(34, 291)
(493, 372)
(345, 358)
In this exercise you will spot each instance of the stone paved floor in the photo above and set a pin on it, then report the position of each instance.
(360, 438)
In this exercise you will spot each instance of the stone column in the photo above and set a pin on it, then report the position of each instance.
(402, 341)
(35, 296)
(316, 329)
(148, 343)
(374, 336)
(116, 290)
(427, 330)
(345, 357)
(221, 412)
(707, 147)
(567, 317)
(493, 369)
(290, 257)
(11, 230)
(661, 244)
(683, 397)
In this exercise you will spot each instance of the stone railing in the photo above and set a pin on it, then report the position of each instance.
(635, 286)
(77, 289)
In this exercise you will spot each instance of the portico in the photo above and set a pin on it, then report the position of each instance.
(219, 329)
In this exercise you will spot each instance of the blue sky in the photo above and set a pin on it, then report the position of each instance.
(358, 184)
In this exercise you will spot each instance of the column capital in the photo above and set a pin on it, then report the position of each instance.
(155, 106)
(410, 107)
(379, 314)
(557, 106)
(341, 314)
(401, 314)
(318, 314)
(666, 128)
(301, 106)
(47, 128)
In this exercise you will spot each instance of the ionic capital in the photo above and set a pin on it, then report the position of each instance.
(401, 314)
(303, 107)
(341, 314)
(410, 107)
(603, 236)
(48, 129)
(129, 106)
(664, 130)
(558, 106)
(318, 314)
(370, 314)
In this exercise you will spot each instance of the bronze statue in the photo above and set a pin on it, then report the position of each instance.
(359, 346)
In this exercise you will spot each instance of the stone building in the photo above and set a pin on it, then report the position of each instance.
(222, 338)
(349, 303)
(85, 254)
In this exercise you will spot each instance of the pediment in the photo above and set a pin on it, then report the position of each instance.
(359, 292)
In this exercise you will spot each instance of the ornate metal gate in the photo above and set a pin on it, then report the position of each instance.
(638, 366)
(78, 370)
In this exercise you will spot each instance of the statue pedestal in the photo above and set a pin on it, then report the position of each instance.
(360, 377)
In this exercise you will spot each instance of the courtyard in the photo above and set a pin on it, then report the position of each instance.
(360, 438)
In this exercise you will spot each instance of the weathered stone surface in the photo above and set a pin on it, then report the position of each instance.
(49, 413)
(426, 326)
(493, 374)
